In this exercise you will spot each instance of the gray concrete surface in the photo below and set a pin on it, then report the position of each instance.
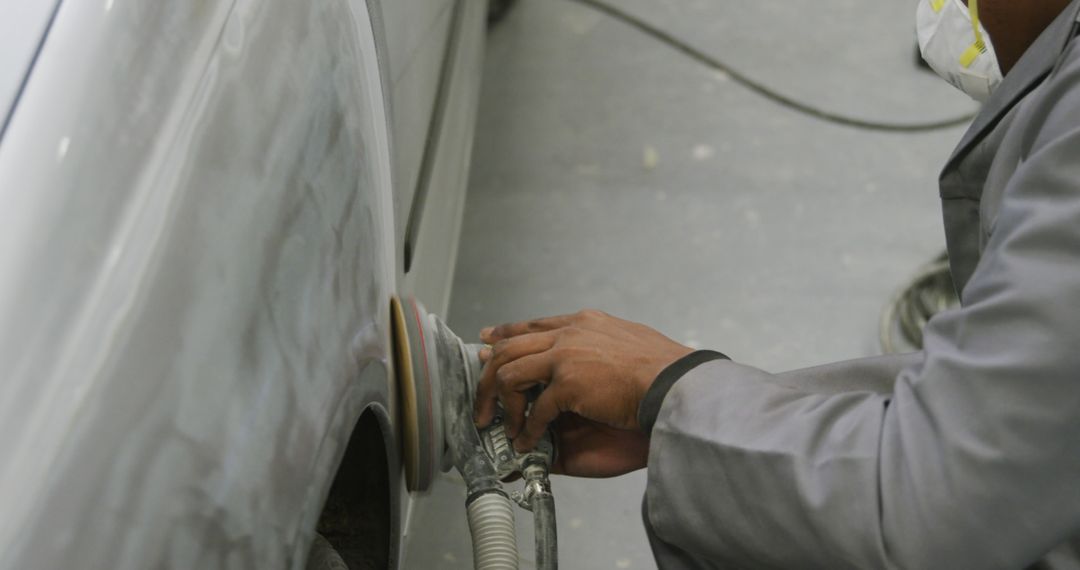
(612, 172)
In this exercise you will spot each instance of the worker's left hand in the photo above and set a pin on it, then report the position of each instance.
(594, 365)
(590, 449)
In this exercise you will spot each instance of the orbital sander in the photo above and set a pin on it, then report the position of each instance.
(437, 376)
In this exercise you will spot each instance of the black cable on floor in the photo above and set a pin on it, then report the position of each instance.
(779, 98)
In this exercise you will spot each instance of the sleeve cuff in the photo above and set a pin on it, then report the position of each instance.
(649, 409)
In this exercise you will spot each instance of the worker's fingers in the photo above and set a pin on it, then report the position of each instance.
(516, 377)
(492, 335)
(504, 352)
(514, 404)
(544, 411)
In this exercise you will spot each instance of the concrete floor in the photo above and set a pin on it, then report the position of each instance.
(611, 171)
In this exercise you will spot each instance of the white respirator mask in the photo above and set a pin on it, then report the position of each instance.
(957, 47)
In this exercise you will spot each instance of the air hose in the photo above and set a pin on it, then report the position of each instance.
(491, 523)
(538, 499)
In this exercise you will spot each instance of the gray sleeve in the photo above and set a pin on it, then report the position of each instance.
(972, 460)
(649, 408)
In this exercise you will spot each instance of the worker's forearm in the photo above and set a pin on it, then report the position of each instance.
(873, 374)
(748, 470)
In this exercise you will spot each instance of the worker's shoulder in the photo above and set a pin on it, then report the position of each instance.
(1068, 62)
(1067, 69)
(1054, 108)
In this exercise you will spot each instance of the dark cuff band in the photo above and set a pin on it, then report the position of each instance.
(649, 409)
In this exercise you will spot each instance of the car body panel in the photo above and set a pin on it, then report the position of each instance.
(414, 97)
(203, 226)
(435, 251)
(22, 26)
(414, 23)
(197, 259)
(418, 53)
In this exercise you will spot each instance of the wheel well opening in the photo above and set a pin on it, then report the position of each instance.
(356, 519)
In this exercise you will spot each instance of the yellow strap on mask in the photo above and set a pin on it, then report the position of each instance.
(937, 5)
(979, 47)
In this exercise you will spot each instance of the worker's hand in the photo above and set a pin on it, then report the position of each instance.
(590, 449)
(594, 365)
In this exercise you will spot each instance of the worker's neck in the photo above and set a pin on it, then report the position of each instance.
(1013, 26)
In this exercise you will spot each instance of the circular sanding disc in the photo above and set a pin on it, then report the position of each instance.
(417, 378)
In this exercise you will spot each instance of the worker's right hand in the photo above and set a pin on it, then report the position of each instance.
(594, 365)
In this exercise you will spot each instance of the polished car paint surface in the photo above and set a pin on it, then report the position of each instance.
(196, 274)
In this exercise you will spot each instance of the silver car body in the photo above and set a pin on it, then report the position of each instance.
(203, 223)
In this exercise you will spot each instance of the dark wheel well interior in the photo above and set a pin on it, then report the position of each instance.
(356, 519)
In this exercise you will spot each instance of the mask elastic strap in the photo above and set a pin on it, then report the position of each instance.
(979, 47)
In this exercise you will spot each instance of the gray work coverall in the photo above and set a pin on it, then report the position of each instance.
(965, 455)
